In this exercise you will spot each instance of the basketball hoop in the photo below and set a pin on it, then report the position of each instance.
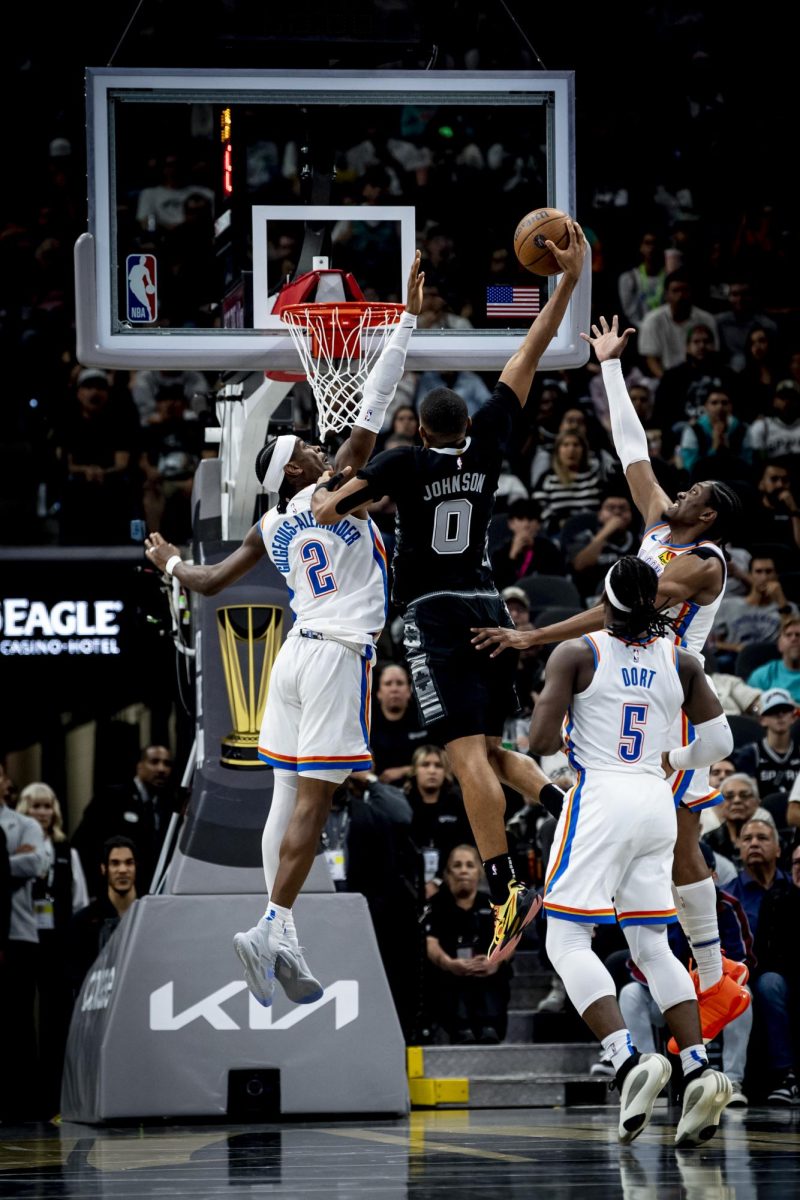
(336, 356)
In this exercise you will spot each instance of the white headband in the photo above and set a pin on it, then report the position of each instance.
(611, 594)
(284, 449)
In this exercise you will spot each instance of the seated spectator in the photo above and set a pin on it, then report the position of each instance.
(146, 386)
(641, 1012)
(755, 617)
(468, 994)
(718, 772)
(575, 420)
(439, 819)
(677, 395)
(96, 441)
(783, 672)
(776, 985)
(760, 850)
(405, 425)
(591, 552)
(509, 488)
(779, 518)
(735, 325)
(370, 850)
(573, 483)
(140, 809)
(526, 552)
(396, 730)
(777, 435)
(716, 441)
(173, 444)
(793, 807)
(739, 805)
(57, 894)
(530, 664)
(762, 371)
(662, 337)
(774, 762)
(641, 288)
(91, 928)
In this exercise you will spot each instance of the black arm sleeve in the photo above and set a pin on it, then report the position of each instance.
(500, 418)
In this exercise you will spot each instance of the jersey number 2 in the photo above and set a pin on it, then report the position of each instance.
(318, 569)
(451, 522)
(634, 718)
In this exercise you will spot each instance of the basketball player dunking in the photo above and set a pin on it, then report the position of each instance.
(315, 729)
(612, 852)
(443, 583)
(682, 543)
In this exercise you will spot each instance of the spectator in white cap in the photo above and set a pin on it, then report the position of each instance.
(774, 761)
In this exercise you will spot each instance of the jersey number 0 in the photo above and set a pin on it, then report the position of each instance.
(451, 522)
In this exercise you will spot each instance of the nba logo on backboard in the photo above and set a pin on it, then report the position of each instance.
(142, 289)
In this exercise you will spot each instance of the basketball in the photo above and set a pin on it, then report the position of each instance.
(532, 233)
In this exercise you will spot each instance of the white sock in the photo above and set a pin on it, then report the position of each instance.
(692, 1058)
(617, 1048)
(281, 916)
(697, 912)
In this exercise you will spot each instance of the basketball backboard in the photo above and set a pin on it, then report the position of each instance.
(208, 189)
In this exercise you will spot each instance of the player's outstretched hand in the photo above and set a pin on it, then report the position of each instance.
(608, 342)
(498, 639)
(570, 260)
(666, 765)
(158, 551)
(416, 286)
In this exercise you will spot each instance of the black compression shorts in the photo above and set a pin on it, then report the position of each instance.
(460, 691)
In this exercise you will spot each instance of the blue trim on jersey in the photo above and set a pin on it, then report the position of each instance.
(338, 765)
(660, 525)
(379, 559)
(683, 786)
(573, 825)
(682, 626)
(362, 707)
(276, 763)
(660, 920)
(593, 649)
(570, 749)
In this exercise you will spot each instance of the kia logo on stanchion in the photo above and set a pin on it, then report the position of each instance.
(343, 995)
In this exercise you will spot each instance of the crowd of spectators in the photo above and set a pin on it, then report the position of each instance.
(703, 271)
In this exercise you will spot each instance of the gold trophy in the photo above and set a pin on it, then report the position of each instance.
(250, 637)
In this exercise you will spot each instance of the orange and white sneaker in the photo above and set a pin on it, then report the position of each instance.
(737, 970)
(719, 1005)
(511, 918)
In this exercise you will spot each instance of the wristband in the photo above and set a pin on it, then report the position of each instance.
(172, 563)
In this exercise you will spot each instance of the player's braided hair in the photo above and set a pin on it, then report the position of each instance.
(724, 500)
(263, 459)
(635, 585)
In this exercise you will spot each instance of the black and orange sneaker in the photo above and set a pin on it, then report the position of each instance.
(511, 918)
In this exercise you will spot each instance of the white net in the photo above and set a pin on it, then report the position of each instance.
(338, 345)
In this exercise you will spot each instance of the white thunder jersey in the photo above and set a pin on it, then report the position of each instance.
(691, 622)
(625, 716)
(336, 574)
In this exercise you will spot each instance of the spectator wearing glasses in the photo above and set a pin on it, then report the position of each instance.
(740, 803)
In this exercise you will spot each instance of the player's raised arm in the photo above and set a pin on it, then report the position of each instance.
(210, 580)
(519, 370)
(556, 696)
(630, 440)
(382, 381)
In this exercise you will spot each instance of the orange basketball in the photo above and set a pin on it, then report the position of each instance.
(532, 233)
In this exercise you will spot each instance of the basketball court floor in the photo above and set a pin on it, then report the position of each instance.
(506, 1153)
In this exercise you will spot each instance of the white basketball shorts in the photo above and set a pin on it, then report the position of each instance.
(611, 858)
(316, 719)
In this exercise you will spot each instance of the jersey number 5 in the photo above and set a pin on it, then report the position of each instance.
(634, 718)
(318, 569)
(451, 522)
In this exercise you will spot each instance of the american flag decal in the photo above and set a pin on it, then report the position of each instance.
(506, 301)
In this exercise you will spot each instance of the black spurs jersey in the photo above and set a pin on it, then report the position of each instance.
(444, 503)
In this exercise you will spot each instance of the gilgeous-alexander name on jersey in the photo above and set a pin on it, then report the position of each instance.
(336, 574)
